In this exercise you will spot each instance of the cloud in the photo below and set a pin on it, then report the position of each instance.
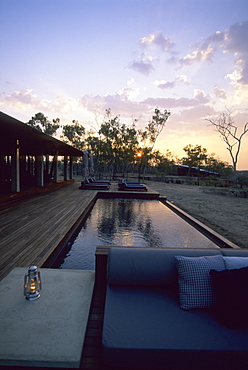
(180, 79)
(199, 98)
(197, 56)
(144, 64)
(237, 38)
(124, 102)
(220, 93)
(234, 40)
(26, 99)
(129, 93)
(143, 67)
(21, 98)
(165, 84)
(237, 43)
(203, 51)
(165, 44)
(131, 82)
(119, 103)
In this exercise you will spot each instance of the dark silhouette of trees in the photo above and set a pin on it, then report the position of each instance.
(41, 123)
(74, 135)
(196, 155)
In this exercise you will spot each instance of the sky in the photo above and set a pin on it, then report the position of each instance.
(73, 59)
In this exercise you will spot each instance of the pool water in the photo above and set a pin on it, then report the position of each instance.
(129, 222)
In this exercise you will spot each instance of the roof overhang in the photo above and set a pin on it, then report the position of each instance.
(31, 141)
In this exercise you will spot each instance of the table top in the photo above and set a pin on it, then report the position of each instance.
(50, 331)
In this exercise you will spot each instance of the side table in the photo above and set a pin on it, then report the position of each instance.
(50, 331)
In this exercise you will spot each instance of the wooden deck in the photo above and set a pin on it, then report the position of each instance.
(31, 230)
(34, 226)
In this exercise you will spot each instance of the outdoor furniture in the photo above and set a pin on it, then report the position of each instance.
(94, 181)
(160, 310)
(135, 186)
(94, 186)
(128, 182)
(50, 331)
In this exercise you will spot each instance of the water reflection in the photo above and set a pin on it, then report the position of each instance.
(121, 218)
(140, 223)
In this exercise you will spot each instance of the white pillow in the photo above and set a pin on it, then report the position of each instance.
(235, 262)
(194, 280)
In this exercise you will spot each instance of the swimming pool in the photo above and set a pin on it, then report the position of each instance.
(131, 222)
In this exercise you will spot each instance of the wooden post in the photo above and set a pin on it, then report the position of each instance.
(15, 168)
(39, 169)
(55, 159)
(71, 167)
(66, 167)
(47, 173)
(2, 172)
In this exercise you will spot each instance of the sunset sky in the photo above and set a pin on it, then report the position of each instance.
(73, 59)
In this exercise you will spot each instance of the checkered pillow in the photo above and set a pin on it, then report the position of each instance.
(195, 284)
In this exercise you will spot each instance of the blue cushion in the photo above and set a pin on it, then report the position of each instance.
(235, 262)
(148, 266)
(137, 267)
(195, 284)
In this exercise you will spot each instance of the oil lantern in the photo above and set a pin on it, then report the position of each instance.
(32, 284)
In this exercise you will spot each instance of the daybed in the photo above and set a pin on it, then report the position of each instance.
(94, 186)
(94, 181)
(131, 185)
(163, 311)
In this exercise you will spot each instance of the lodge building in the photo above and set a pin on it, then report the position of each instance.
(29, 158)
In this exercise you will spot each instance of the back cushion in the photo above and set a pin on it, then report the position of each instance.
(235, 262)
(147, 266)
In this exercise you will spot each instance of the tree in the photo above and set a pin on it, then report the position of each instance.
(154, 128)
(74, 135)
(149, 136)
(163, 162)
(214, 164)
(196, 155)
(41, 123)
(118, 142)
(225, 126)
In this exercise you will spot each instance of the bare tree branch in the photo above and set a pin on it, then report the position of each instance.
(228, 131)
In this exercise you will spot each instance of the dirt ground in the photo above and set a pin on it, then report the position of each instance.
(225, 214)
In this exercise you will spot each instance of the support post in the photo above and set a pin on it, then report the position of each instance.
(15, 168)
(2, 172)
(66, 167)
(55, 167)
(39, 170)
(47, 173)
(71, 167)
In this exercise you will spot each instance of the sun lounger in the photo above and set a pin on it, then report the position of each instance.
(134, 187)
(92, 180)
(122, 181)
(94, 186)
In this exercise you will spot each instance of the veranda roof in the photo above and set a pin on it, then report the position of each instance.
(31, 140)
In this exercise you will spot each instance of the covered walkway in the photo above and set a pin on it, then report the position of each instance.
(29, 158)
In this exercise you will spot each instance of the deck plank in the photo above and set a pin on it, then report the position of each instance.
(31, 229)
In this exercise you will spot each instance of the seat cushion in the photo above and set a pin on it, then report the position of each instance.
(145, 328)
